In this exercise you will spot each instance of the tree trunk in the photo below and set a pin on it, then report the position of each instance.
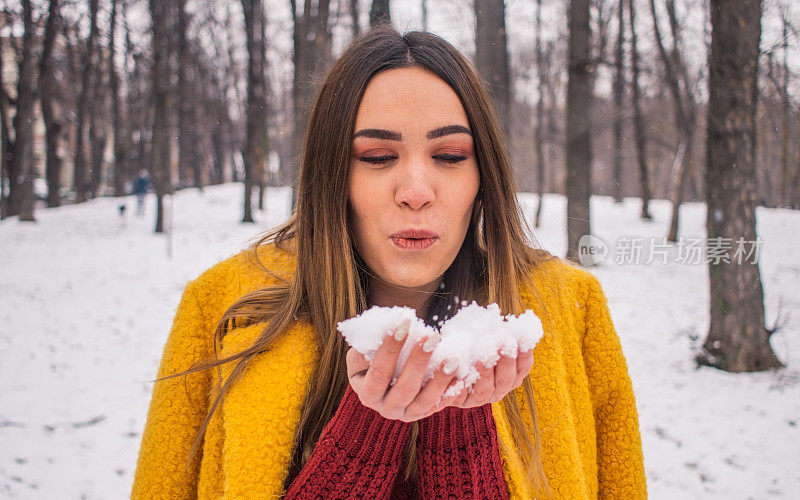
(120, 168)
(491, 55)
(785, 177)
(539, 133)
(311, 54)
(81, 166)
(21, 199)
(738, 340)
(379, 12)
(354, 20)
(5, 136)
(638, 117)
(46, 90)
(619, 89)
(579, 141)
(684, 113)
(186, 101)
(97, 110)
(160, 170)
(264, 139)
(255, 146)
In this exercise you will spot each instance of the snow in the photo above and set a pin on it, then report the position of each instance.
(474, 334)
(86, 305)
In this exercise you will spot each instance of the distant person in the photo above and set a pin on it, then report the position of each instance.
(140, 187)
(123, 214)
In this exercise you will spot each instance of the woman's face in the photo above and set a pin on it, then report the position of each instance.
(413, 177)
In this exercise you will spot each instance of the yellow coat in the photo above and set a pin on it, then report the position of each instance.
(589, 425)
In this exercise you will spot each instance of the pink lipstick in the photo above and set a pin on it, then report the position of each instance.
(414, 239)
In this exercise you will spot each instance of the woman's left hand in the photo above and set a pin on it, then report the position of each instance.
(494, 383)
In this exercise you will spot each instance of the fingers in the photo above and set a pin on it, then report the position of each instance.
(447, 401)
(409, 382)
(461, 397)
(430, 397)
(505, 374)
(357, 364)
(381, 369)
(483, 389)
(524, 365)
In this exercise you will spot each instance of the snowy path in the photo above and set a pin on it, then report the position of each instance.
(85, 306)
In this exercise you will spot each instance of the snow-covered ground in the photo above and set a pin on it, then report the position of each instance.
(86, 304)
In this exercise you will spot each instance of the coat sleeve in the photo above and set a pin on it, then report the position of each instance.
(177, 409)
(620, 458)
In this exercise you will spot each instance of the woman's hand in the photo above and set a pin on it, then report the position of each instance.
(495, 383)
(406, 399)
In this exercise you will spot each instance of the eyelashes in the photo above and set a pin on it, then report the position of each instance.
(444, 158)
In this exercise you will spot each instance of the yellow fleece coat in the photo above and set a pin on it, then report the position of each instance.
(591, 444)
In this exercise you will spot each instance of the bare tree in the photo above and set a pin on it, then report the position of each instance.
(579, 140)
(20, 198)
(379, 12)
(786, 107)
(5, 134)
(491, 55)
(312, 55)
(738, 340)
(256, 143)
(120, 169)
(265, 92)
(52, 123)
(685, 110)
(160, 75)
(618, 90)
(354, 20)
(539, 133)
(638, 116)
(81, 164)
(98, 129)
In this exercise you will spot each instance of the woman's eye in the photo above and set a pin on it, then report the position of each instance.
(377, 159)
(381, 159)
(450, 158)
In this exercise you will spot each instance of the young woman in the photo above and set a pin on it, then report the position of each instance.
(406, 197)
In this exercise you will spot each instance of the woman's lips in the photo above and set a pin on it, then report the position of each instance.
(414, 243)
(414, 239)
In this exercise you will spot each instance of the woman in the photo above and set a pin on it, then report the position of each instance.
(405, 198)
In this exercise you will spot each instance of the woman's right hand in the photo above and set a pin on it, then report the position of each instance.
(407, 399)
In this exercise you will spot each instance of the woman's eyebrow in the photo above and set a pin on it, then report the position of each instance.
(391, 135)
(447, 130)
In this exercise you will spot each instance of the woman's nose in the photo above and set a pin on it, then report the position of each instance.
(415, 186)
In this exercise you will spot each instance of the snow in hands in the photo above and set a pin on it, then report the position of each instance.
(473, 334)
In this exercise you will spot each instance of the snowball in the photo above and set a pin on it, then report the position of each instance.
(366, 331)
(473, 334)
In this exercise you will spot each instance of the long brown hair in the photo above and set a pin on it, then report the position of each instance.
(331, 283)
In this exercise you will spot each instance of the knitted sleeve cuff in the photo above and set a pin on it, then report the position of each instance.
(459, 454)
(358, 455)
(361, 432)
(456, 428)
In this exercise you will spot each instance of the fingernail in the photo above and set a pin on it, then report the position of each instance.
(450, 366)
(430, 344)
(402, 330)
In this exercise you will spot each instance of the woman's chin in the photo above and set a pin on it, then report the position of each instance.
(414, 278)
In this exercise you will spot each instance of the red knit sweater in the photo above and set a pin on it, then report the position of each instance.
(360, 455)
